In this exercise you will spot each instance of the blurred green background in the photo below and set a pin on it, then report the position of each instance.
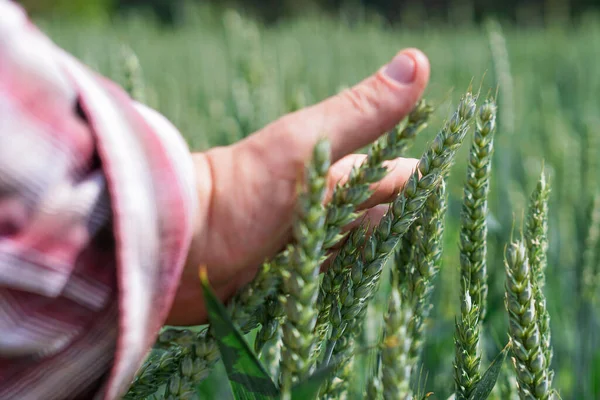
(172, 11)
(221, 72)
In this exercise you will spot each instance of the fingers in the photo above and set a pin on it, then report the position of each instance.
(350, 120)
(357, 116)
(385, 190)
(370, 217)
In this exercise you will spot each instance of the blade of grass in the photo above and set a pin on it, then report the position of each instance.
(247, 376)
(308, 389)
(485, 386)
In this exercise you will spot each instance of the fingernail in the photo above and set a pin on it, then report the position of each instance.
(401, 69)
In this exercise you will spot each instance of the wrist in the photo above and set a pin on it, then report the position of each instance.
(188, 306)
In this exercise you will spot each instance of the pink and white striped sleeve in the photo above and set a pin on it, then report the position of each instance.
(97, 201)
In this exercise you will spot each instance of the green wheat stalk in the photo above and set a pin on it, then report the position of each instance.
(536, 240)
(416, 275)
(473, 251)
(355, 191)
(268, 339)
(134, 82)
(405, 209)
(428, 254)
(529, 360)
(249, 300)
(396, 348)
(536, 230)
(341, 210)
(300, 278)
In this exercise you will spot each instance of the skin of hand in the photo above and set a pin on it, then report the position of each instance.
(247, 191)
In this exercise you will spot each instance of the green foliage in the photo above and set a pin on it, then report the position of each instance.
(247, 376)
(85, 10)
(487, 382)
(246, 373)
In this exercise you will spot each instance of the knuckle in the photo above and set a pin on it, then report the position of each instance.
(363, 99)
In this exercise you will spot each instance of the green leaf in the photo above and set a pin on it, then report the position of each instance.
(485, 386)
(248, 377)
(309, 388)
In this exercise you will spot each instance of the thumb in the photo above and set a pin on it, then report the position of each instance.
(355, 117)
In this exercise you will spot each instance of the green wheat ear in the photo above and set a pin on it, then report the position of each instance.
(341, 210)
(245, 307)
(416, 266)
(184, 347)
(268, 339)
(536, 240)
(300, 279)
(396, 348)
(345, 199)
(427, 259)
(536, 230)
(473, 252)
(132, 71)
(529, 360)
(405, 209)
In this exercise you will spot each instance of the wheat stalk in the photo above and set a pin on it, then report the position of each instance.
(536, 239)
(405, 209)
(346, 197)
(300, 278)
(201, 347)
(416, 265)
(528, 358)
(396, 348)
(536, 230)
(268, 340)
(245, 304)
(134, 82)
(426, 266)
(473, 251)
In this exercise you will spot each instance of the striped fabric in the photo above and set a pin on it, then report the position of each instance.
(97, 200)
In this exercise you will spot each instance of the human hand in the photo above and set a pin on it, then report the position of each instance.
(247, 191)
